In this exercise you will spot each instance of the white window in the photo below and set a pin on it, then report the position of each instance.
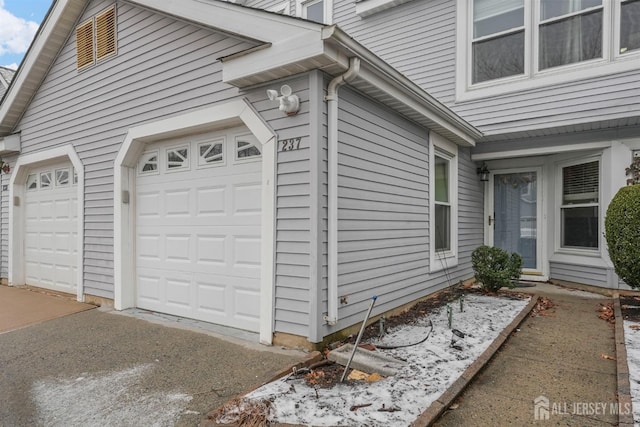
(45, 180)
(177, 158)
(443, 184)
(579, 206)
(247, 147)
(315, 10)
(148, 163)
(32, 182)
(511, 45)
(211, 152)
(62, 177)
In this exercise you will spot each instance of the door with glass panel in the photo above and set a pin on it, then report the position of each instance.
(514, 224)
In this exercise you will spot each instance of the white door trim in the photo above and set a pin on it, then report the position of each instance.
(540, 274)
(235, 112)
(16, 211)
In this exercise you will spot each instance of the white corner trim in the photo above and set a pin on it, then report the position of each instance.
(234, 112)
(16, 213)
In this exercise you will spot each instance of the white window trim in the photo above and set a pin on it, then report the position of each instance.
(440, 261)
(558, 208)
(612, 61)
(203, 163)
(301, 11)
(254, 142)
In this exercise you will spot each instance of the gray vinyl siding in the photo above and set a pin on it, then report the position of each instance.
(590, 100)
(596, 276)
(417, 38)
(164, 67)
(384, 210)
(293, 198)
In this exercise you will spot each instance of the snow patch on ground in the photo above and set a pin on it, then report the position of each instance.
(432, 367)
(632, 344)
(112, 399)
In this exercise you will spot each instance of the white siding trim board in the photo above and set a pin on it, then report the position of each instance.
(16, 223)
(221, 115)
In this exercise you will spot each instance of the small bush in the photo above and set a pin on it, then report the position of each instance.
(495, 267)
(622, 231)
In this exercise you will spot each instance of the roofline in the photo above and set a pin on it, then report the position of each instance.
(401, 82)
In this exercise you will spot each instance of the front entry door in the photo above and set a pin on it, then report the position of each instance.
(515, 223)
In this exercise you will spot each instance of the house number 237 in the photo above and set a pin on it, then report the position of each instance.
(290, 144)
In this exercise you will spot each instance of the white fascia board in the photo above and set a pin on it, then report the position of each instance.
(24, 72)
(278, 55)
(10, 144)
(233, 19)
(539, 151)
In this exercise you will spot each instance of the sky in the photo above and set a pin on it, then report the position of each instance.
(19, 21)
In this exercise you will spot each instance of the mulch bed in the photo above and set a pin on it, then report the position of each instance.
(630, 306)
(327, 375)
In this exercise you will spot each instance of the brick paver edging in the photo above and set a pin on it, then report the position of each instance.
(433, 412)
(624, 388)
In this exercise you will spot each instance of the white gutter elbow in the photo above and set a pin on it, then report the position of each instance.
(332, 192)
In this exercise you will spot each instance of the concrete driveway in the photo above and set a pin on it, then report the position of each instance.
(99, 368)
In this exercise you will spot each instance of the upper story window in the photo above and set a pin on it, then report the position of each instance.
(315, 10)
(513, 45)
(96, 38)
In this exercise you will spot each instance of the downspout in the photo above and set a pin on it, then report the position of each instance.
(332, 190)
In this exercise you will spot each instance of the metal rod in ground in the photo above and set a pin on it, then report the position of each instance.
(355, 348)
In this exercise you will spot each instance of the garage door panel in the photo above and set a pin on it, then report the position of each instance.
(150, 289)
(179, 292)
(211, 249)
(247, 199)
(198, 237)
(178, 203)
(210, 201)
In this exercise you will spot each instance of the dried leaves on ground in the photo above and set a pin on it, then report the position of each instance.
(605, 312)
(544, 307)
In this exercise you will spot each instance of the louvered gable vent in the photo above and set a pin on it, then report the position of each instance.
(84, 44)
(106, 33)
(96, 38)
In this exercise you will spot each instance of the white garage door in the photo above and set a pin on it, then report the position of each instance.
(198, 225)
(51, 228)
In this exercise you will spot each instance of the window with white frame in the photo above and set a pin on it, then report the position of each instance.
(443, 185)
(579, 219)
(315, 10)
(517, 41)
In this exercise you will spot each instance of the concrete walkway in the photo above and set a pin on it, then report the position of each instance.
(557, 360)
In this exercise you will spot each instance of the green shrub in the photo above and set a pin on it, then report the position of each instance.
(495, 267)
(622, 231)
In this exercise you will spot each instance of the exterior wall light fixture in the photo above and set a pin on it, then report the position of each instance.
(483, 172)
(289, 104)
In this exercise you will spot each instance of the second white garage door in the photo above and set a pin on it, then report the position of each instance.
(51, 228)
(198, 225)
